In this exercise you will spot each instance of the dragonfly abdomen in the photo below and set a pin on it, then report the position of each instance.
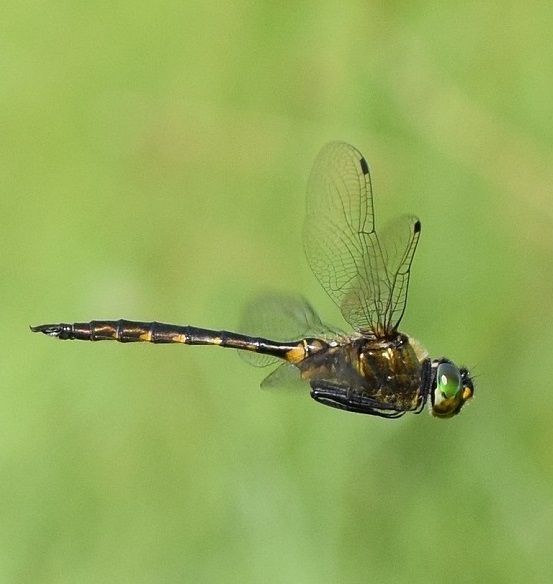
(129, 331)
(123, 331)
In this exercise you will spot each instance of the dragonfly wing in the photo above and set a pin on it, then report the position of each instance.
(286, 376)
(281, 318)
(338, 209)
(388, 278)
(399, 242)
(365, 276)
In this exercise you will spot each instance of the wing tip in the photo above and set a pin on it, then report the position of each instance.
(364, 166)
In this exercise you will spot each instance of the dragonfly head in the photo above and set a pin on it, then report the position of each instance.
(451, 388)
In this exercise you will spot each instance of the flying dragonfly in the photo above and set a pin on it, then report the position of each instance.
(376, 369)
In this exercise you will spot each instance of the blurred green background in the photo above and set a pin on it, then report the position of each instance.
(153, 163)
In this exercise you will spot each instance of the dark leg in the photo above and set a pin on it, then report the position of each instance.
(337, 398)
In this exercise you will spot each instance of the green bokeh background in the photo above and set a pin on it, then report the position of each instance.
(153, 162)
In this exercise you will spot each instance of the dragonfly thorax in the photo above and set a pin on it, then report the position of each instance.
(369, 375)
(392, 371)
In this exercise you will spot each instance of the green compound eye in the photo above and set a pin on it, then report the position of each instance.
(448, 379)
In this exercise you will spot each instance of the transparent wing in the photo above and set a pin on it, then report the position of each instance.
(285, 376)
(280, 318)
(399, 241)
(366, 277)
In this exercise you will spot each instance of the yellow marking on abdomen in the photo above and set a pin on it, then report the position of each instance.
(297, 354)
(146, 337)
(179, 339)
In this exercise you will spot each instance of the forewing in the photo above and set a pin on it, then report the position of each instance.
(399, 242)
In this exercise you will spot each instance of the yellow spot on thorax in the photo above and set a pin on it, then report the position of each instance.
(388, 354)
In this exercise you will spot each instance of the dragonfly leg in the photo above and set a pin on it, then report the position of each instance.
(337, 397)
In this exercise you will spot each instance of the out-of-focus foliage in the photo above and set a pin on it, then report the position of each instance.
(153, 162)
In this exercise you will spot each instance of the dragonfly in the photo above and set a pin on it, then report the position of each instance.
(375, 369)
